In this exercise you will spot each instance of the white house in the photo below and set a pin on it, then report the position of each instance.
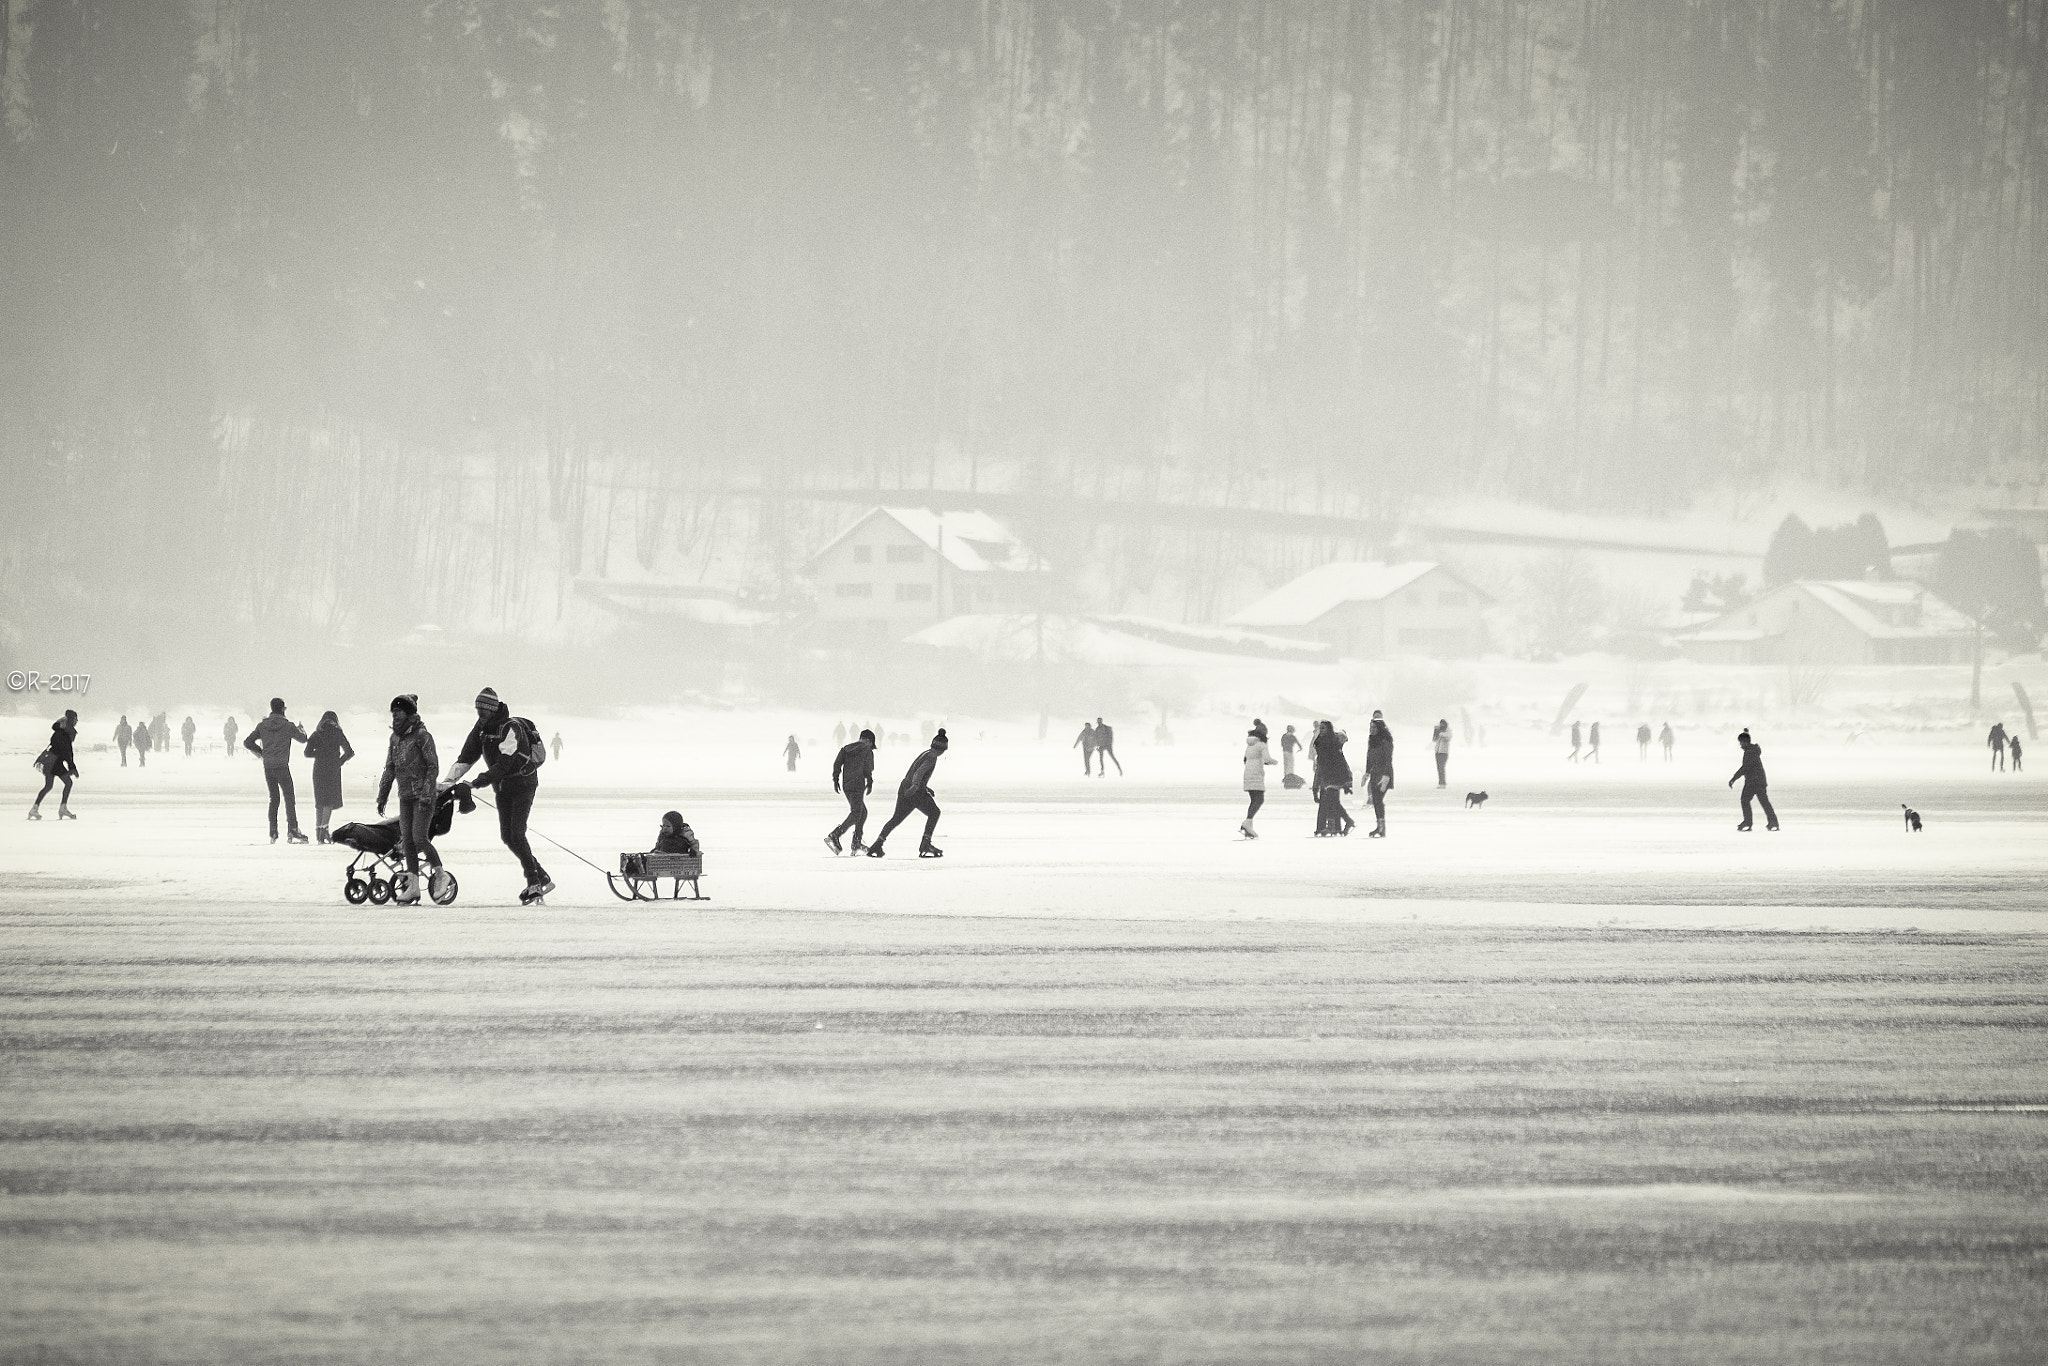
(898, 569)
(1830, 621)
(1372, 610)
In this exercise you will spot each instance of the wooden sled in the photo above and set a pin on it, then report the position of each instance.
(642, 875)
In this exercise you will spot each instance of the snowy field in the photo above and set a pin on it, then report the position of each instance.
(1104, 1084)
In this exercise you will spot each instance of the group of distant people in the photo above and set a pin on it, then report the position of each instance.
(1097, 744)
(1586, 742)
(853, 777)
(153, 734)
(1330, 777)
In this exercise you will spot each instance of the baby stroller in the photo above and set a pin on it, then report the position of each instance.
(373, 873)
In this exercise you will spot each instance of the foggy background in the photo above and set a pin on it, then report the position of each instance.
(341, 341)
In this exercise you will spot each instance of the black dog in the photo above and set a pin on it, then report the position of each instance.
(1912, 818)
(1473, 799)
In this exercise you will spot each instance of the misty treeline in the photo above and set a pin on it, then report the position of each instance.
(331, 311)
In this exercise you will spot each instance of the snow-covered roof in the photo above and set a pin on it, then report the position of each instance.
(970, 541)
(1314, 594)
(1868, 606)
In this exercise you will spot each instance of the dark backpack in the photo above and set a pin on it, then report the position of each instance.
(526, 745)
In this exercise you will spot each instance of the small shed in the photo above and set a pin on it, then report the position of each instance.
(897, 570)
(1368, 609)
(1836, 621)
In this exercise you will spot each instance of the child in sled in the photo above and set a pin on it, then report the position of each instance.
(676, 837)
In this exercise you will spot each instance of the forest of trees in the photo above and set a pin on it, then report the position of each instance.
(329, 308)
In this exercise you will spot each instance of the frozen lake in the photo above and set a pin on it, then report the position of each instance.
(1583, 1076)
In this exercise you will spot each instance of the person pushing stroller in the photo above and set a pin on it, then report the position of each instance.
(411, 764)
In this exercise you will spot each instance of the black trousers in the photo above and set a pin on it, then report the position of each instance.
(904, 806)
(1105, 752)
(416, 831)
(1441, 760)
(1376, 789)
(1759, 793)
(515, 804)
(55, 776)
(1257, 797)
(856, 816)
(1331, 817)
(279, 781)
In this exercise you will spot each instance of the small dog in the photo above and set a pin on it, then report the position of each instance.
(1912, 819)
(1473, 799)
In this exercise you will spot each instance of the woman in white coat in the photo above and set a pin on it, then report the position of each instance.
(1256, 761)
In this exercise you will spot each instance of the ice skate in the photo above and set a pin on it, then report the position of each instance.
(64, 813)
(1745, 825)
(535, 891)
(832, 843)
(875, 851)
(296, 837)
(34, 814)
(1245, 829)
(931, 851)
(1772, 826)
(859, 848)
(407, 889)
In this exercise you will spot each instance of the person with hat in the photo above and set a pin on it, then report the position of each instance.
(914, 793)
(512, 753)
(410, 763)
(853, 773)
(1257, 759)
(59, 764)
(271, 740)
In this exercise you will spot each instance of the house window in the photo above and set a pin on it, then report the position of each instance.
(854, 590)
(906, 554)
(863, 554)
(913, 592)
(1450, 599)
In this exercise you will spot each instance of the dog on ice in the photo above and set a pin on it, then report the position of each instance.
(1912, 819)
(1473, 799)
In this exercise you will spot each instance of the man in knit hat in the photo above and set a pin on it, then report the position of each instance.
(914, 793)
(512, 753)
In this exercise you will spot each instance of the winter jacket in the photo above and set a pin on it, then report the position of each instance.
(142, 739)
(411, 762)
(329, 749)
(1332, 769)
(61, 759)
(1085, 740)
(1996, 740)
(272, 737)
(1442, 738)
(500, 745)
(124, 735)
(1105, 738)
(1751, 770)
(188, 730)
(918, 779)
(677, 837)
(854, 768)
(1379, 754)
(1256, 761)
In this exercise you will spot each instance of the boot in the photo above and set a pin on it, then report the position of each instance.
(296, 837)
(931, 851)
(64, 813)
(832, 843)
(35, 812)
(875, 851)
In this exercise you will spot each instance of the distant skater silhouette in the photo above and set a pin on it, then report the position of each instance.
(227, 733)
(124, 736)
(1755, 786)
(1379, 772)
(2012, 745)
(1440, 741)
(792, 753)
(1643, 742)
(142, 745)
(914, 793)
(185, 732)
(1668, 740)
(1593, 745)
(1996, 740)
(1577, 739)
(1085, 742)
(853, 775)
(556, 745)
(1256, 762)
(1289, 743)
(1105, 750)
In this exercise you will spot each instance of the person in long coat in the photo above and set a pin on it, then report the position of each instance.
(142, 745)
(1379, 772)
(124, 736)
(329, 749)
(1256, 761)
(1330, 779)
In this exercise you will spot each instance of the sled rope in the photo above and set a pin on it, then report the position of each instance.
(531, 831)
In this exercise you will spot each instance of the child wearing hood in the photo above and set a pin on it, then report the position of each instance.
(677, 837)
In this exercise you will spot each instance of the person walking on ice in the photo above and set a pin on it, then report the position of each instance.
(410, 763)
(1105, 750)
(271, 741)
(853, 775)
(1668, 739)
(914, 793)
(186, 732)
(1593, 743)
(1643, 743)
(124, 736)
(1577, 738)
(227, 733)
(1440, 740)
(511, 751)
(791, 753)
(2012, 745)
(59, 765)
(556, 745)
(142, 743)
(1755, 786)
(1085, 742)
(1256, 761)
(1996, 740)
(1379, 773)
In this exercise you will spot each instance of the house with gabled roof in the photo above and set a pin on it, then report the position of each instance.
(1376, 610)
(897, 570)
(1836, 621)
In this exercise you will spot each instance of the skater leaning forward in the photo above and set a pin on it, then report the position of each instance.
(914, 793)
(853, 774)
(410, 765)
(511, 749)
(59, 764)
(1755, 786)
(1257, 759)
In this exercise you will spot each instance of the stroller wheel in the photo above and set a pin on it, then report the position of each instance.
(380, 890)
(442, 887)
(356, 890)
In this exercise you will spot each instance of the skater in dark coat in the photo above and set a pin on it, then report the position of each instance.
(914, 793)
(1105, 750)
(2012, 746)
(1643, 743)
(1755, 786)
(124, 736)
(1668, 739)
(1330, 779)
(60, 765)
(792, 753)
(329, 749)
(512, 754)
(1379, 772)
(1085, 742)
(186, 732)
(1996, 740)
(1578, 736)
(853, 774)
(142, 745)
(160, 734)
(410, 763)
(271, 741)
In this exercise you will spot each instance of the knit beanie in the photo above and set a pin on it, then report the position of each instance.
(488, 698)
(408, 702)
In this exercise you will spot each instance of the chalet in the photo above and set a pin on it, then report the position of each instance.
(1370, 610)
(1827, 621)
(899, 569)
